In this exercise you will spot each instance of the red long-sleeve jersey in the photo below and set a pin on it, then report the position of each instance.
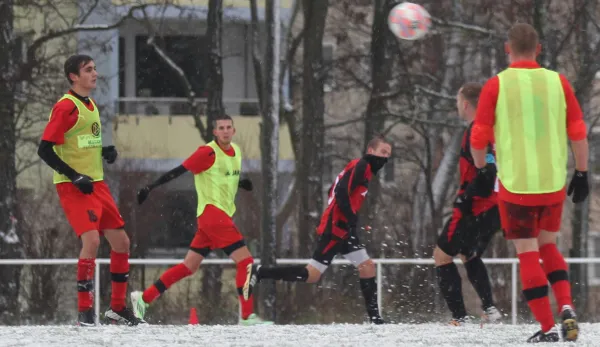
(483, 131)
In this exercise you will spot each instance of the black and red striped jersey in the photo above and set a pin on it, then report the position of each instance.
(347, 193)
(468, 172)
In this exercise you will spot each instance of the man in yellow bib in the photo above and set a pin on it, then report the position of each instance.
(531, 112)
(216, 168)
(72, 146)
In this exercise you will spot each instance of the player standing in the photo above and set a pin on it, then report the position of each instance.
(72, 146)
(216, 168)
(337, 230)
(475, 219)
(530, 112)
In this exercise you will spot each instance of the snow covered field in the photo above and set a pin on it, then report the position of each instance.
(430, 335)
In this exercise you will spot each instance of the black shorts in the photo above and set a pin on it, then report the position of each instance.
(329, 245)
(469, 235)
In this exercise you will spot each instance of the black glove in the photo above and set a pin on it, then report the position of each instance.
(83, 183)
(465, 204)
(579, 186)
(142, 194)
(246, 184)
(484, 181)
(109, 153)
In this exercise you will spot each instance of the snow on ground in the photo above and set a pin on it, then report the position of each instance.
(430, 335)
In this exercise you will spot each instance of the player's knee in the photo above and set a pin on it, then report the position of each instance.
(314, 275)
(546, 237)
(192, 261)
(123, 244)
(440, 257)
(366, 269)
(90, 241)
(526, 245)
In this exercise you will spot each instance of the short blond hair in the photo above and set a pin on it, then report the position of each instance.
(376, 140)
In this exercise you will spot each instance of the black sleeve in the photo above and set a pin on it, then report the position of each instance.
(360, 170)
(176, 172)
(342, 196)
(473, 187)
(47, 154)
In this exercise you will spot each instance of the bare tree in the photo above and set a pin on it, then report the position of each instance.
(270, 151)
(10, 244)
(383, 47)
(309, 174)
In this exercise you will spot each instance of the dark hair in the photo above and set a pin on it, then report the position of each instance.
(74, 63)
(470, 91)
(376, 140)
(222, 117)
(523, 38)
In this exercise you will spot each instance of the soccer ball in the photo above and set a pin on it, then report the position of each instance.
(409, 21)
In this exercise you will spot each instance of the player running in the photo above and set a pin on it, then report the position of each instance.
(72, 146)
(216, 168)
(338, 229)
(474, 221)
(530, 112)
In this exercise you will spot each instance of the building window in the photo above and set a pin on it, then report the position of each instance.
(155, 78)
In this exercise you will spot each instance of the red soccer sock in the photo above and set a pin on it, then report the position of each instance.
(85, 284)
(119, 273)
(535, 289)
(166, 280)
(243, 271)
(556, 271)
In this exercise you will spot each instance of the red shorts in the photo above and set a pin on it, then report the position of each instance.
(96, 211)
(216, 230)
(525, 222)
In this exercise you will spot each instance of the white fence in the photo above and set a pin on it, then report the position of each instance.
(382, 261)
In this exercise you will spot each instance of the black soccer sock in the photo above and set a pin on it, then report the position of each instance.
(451, 286)
(369, 291)
(290, 273)
(480, 280)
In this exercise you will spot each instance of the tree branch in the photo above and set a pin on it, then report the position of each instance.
(87, 15)
(346, 122)
(430, 92)
(27, 68)
(563, 42)
(414, 120)
(191, 95)
(467, 27)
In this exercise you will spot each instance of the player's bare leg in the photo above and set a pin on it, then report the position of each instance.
(119, 272)
(556, 268)
(142, 300)
(245, 279)
(90, 241)
(314, 274)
